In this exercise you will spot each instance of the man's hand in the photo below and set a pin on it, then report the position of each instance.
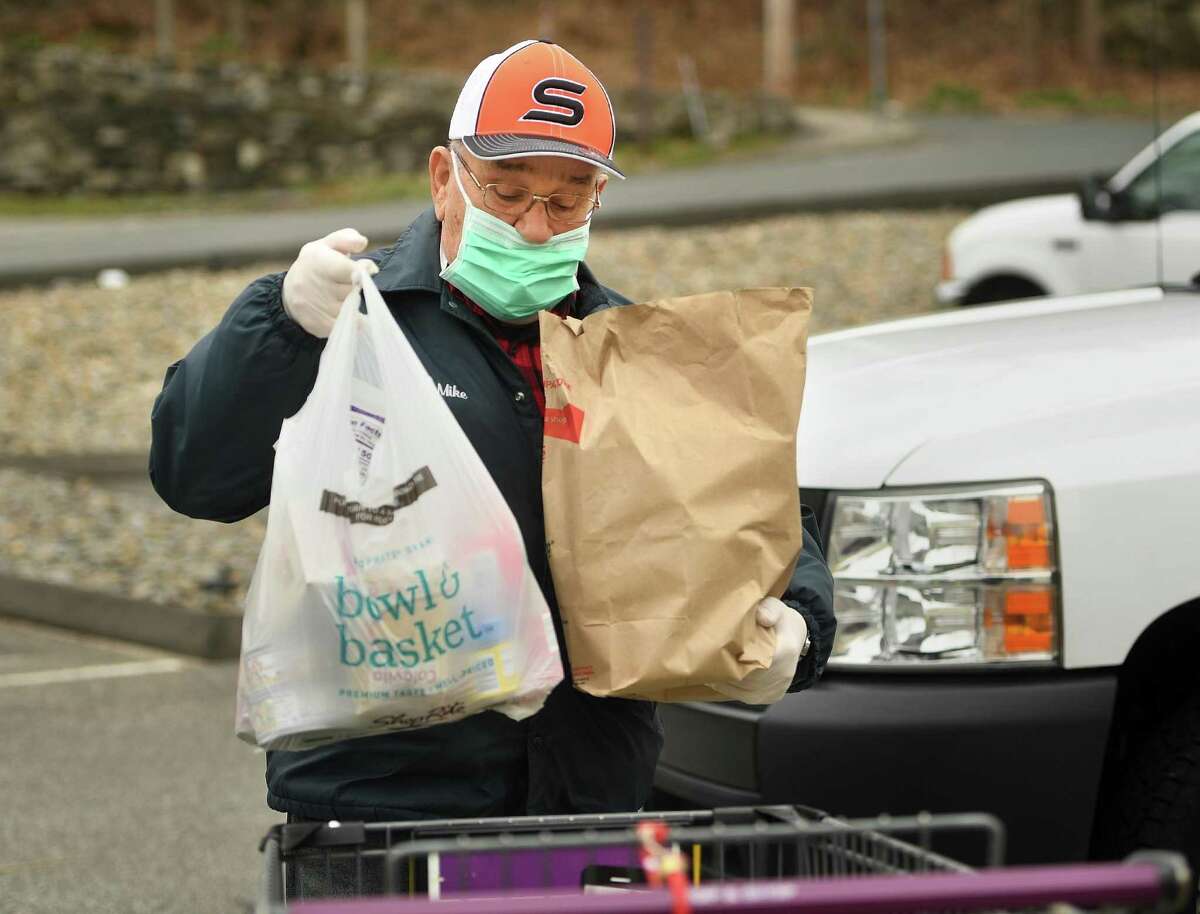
(319, 281)
(762, 687)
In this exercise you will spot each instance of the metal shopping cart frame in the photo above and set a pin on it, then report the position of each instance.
(782, 858)
(376, 857)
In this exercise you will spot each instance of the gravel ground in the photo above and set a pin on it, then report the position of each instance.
(80, 367)
(123, 540)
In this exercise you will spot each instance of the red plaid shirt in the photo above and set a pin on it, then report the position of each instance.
(521, 342)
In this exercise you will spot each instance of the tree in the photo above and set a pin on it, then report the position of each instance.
(779, 52)
(1091, 39)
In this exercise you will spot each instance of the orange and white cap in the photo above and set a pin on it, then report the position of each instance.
(535, 99)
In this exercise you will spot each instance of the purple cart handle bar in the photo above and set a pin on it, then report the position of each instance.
(1159, 882)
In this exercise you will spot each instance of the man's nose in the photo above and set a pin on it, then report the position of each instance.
(534, 225)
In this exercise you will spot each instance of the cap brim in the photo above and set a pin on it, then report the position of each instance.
(515, 145)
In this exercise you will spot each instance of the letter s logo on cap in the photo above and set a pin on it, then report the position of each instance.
(552, 92)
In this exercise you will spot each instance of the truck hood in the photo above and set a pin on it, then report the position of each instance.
(1016, 376)
(1032, 215)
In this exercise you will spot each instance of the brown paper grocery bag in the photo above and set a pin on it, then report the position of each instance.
(669, 481)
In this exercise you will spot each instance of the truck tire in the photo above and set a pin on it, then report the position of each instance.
(1001, 288)
(1155, 800)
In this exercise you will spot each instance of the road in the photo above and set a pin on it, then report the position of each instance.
(124, 787)
(951, 160)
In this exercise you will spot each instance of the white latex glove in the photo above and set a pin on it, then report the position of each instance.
(762, 687)
(319, 281)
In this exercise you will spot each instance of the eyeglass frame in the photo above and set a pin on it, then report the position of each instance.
(533, 198)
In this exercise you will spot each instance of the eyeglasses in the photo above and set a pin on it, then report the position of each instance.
(513, 200)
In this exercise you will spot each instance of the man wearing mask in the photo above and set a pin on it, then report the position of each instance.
(530, 151)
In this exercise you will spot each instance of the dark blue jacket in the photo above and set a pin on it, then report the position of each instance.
(214, 427)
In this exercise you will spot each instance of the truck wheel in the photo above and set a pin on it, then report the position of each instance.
(1001, 288)
(1155, 800)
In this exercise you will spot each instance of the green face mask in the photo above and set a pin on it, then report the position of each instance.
(504, 274)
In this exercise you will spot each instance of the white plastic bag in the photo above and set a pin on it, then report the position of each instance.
(392, 590)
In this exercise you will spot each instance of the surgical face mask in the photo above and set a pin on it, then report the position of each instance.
(511, 278)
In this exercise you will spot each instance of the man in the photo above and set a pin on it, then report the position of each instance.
(530, 149)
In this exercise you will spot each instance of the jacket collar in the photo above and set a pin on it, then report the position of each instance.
(414, 263)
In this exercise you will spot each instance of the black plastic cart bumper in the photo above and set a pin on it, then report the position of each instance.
(1027, 748)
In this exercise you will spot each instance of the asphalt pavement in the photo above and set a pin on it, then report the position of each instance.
(845, 162)
(124, 787)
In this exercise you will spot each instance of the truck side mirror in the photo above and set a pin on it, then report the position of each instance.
(1096, 201)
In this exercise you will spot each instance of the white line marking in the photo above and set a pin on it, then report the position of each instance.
(47, 863)
(96, 671)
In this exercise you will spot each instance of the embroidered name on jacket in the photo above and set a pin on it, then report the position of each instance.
(451, 390)
(403, 495)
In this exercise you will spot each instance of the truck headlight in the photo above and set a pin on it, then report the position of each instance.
(938, 576)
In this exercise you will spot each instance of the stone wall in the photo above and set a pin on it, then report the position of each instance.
(73, 120)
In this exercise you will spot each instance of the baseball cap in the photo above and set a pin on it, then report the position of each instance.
(535, 99)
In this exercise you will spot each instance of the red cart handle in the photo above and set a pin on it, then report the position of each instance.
(662, 863)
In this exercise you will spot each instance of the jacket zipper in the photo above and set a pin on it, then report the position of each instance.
(523, 392)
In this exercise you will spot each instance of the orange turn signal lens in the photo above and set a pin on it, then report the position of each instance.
(1027, 552)
(1026, 533)
(1026, 510)
(1028, 621)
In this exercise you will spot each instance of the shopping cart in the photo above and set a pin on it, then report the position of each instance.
(762, 859)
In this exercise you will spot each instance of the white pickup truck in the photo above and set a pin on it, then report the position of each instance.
(1010, 504)
(1139, 227)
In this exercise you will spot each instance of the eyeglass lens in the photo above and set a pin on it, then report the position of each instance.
(513, 200)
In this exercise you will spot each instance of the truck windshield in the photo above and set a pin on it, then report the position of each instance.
(1170, 184)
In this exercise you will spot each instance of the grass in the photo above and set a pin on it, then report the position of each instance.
(681, 152)
(342, 192)
(1051, 97)
(960, 98)
(952, 97)
(1063, 99)
(632, 157)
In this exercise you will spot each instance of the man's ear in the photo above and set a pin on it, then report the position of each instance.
(601, 183)
(439, 179)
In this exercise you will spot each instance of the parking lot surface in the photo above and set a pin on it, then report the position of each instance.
(125, 789)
